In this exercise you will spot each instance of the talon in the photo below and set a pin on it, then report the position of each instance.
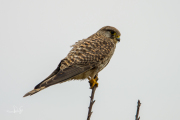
(93, 82)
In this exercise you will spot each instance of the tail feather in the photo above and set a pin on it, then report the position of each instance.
(34, 91)
(58, 77)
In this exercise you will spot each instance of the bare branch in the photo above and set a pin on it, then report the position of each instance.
(91, 101)
(137, 112)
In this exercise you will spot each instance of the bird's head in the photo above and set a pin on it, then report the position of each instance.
(110, 32)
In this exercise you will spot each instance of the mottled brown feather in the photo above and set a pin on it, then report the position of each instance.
(86, 59)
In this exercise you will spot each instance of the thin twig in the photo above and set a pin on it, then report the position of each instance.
(91, 102)
(137, 112)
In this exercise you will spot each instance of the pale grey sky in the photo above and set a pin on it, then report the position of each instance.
(36, 34)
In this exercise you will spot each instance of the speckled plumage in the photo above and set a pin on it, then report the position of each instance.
(85, 60)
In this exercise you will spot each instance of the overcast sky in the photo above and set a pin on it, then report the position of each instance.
(36, 34)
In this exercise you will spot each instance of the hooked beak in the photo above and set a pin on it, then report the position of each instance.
(118, 38)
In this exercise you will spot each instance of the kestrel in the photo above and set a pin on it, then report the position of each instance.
(85, 60)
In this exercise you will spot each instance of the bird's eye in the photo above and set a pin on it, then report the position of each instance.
(113, 33)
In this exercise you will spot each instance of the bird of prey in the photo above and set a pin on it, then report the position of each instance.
(85, 60)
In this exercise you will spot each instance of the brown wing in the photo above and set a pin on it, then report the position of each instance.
(84, 56)
(62, 75)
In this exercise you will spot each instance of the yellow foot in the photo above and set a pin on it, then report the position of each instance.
(93, 82)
